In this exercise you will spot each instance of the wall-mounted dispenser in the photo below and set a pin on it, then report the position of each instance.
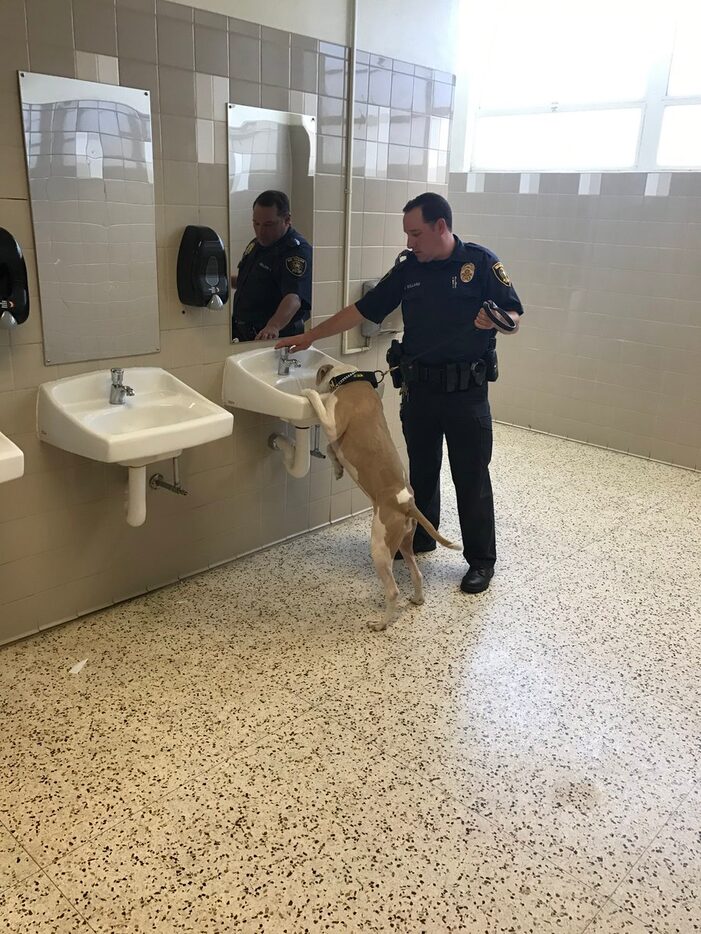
(202, 275)
(14, 291)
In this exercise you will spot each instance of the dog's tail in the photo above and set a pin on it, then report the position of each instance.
(430, 528)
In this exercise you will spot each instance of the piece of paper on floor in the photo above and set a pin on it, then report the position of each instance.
(78, 667)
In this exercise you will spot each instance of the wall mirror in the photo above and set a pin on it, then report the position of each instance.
(90, 165)
(268, 149)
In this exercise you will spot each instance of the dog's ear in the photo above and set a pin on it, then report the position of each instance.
(323, 372)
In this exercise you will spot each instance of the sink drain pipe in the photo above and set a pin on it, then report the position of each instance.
(136, 496)
(295, 454)
(136, 490)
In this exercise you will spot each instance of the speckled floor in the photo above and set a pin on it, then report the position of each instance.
(240, 753)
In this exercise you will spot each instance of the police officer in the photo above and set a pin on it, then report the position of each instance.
(273, 294)
(442, 284)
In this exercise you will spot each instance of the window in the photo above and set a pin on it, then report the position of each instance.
(558, 141)
(602, 85)
(685, 72)
(680, 137)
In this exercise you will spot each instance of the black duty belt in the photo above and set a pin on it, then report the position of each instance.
(447, 377)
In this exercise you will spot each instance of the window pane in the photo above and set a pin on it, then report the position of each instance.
(685, 75)
(680, 137)
(586, 140)
(547, 51)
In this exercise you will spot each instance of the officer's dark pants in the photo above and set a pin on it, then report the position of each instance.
(464, 419)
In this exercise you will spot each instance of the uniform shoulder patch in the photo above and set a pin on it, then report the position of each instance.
(467, 271)
(500, 273)
(249, 247)
(296, 265)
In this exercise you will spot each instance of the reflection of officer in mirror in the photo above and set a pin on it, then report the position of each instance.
(442, 284)
(273, 286)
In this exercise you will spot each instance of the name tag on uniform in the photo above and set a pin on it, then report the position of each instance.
(263, 266)
(411, 285)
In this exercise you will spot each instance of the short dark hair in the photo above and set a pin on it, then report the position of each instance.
(274, 199)
(433, 208)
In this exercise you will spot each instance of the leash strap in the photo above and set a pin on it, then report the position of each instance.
(498, 316)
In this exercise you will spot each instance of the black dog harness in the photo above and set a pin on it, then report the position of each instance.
(357, 376)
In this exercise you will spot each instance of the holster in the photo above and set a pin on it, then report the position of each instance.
(394, 360)
(490, 359)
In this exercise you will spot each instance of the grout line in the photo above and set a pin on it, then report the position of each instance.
(63, 895)
(40, 871)
(631, 868)
(19, 843)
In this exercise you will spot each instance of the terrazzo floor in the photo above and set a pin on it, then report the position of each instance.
(240, 753)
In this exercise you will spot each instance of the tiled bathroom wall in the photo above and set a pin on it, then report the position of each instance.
(65, 547)
(608, 269)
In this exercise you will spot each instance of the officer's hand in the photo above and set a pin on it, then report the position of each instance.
(298, 342)
(483, 322)
(268, 334)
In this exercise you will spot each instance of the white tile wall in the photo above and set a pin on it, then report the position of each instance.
(610, 347)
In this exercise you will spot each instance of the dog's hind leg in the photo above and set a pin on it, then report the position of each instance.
(382, 557)
(406, 546)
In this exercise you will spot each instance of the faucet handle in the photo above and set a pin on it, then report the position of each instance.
(117, 374)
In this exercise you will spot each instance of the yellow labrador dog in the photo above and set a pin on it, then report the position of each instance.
(351, 414)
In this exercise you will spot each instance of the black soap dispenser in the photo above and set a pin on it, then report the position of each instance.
(202, 275)
(14, 291)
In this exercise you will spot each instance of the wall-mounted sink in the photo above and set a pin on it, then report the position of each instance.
(157, 422)
(251, 381)
(11, 460)
(163, 417)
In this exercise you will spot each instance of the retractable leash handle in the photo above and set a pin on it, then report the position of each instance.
(498, 316)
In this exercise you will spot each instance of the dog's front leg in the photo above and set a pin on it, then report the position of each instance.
(337, 465)
(317, 403)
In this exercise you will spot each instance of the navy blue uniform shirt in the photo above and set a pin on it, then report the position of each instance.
(440, 301)
(268, 273)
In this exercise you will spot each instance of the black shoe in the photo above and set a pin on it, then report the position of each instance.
(418, 550)
(476, 580)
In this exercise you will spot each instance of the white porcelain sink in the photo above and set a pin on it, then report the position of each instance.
(163, 417)
(11, 460)
(251, 381)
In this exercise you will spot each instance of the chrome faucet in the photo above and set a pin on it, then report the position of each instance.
(118, 390)
(285, 362)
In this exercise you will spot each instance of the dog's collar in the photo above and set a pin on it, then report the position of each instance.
(355, 376)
